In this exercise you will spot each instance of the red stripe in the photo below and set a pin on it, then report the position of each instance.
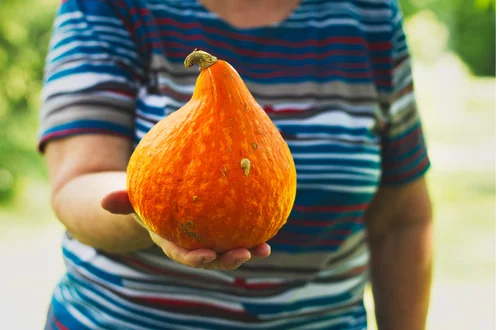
(406, 161)
(79, 131)
(59, 325)
(320, 223)
(331, 242)
(340, 208)
(394, 178)
(121, 92)
(270, 109)
(162, 271)
(73, 131)
(170, 44)
(294, 237)
(242, 283)
(385, 45)
(190, 304)
(394, 144)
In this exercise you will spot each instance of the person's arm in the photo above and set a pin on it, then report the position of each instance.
(88, 178)
(399, 226)
(83, 170)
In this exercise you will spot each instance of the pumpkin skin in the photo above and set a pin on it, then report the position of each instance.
(216, 173)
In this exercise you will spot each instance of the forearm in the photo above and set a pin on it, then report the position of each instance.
(401, 266)
(77, 204)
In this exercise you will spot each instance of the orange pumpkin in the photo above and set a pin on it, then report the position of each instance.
(216, 173)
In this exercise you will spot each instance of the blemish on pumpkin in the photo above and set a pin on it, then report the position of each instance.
(246, 107)
(223, 171)
(195, 198)
(191, 234)
(245, 165)
(255, 145)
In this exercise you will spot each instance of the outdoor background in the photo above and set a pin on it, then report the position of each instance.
(453, 45)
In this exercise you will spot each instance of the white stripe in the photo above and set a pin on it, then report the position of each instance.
(185, 89)
(333, 176)
(330, 118)
(353, 262)
(140, 133)
(313, 143)
(340, 22)
(58, 38)
(318, 156)
(61, 19)
(159, 101)
(347, 137)
(98, 314)
(296, 106)
(345, 189)
(144, 122)
(114, 96)
(149, 116)
(85, 26)
(58, 294)
(79, 81)
(90, 58)
(182, 12)
(89, 255)
(77, 43)
(265, 280)
(402, 103)
(106, 19)
(370, 171)
(340, 8)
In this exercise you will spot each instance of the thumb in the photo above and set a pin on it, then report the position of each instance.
(117, 202)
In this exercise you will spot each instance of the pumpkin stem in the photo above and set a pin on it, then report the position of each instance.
(203, 59)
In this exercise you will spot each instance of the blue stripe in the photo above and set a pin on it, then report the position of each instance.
(367, 164)
(291, 228)
(108, 68)
(108, 277)
(91, 124)
(94, 50)
(316, 197)
(65, 317)
(407, 168)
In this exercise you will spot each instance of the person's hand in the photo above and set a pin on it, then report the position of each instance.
(118, 203)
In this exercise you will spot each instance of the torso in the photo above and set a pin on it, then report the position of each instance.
(320, 75)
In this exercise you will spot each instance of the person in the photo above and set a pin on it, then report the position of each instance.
(335, 78)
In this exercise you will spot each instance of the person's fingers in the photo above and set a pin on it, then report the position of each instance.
(230, 260)
(192, 258)
(117, 202)
(261, 251)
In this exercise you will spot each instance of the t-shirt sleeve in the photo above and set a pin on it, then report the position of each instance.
(92, 72)
(404, 151)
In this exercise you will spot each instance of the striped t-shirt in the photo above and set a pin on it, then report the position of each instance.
(334, 77)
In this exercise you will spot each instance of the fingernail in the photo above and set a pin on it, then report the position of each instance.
(207, 260)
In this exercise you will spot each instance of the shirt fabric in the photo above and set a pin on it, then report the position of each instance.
(335, 78)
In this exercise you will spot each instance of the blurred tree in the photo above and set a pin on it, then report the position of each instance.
(24, 35)
(471, 24)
